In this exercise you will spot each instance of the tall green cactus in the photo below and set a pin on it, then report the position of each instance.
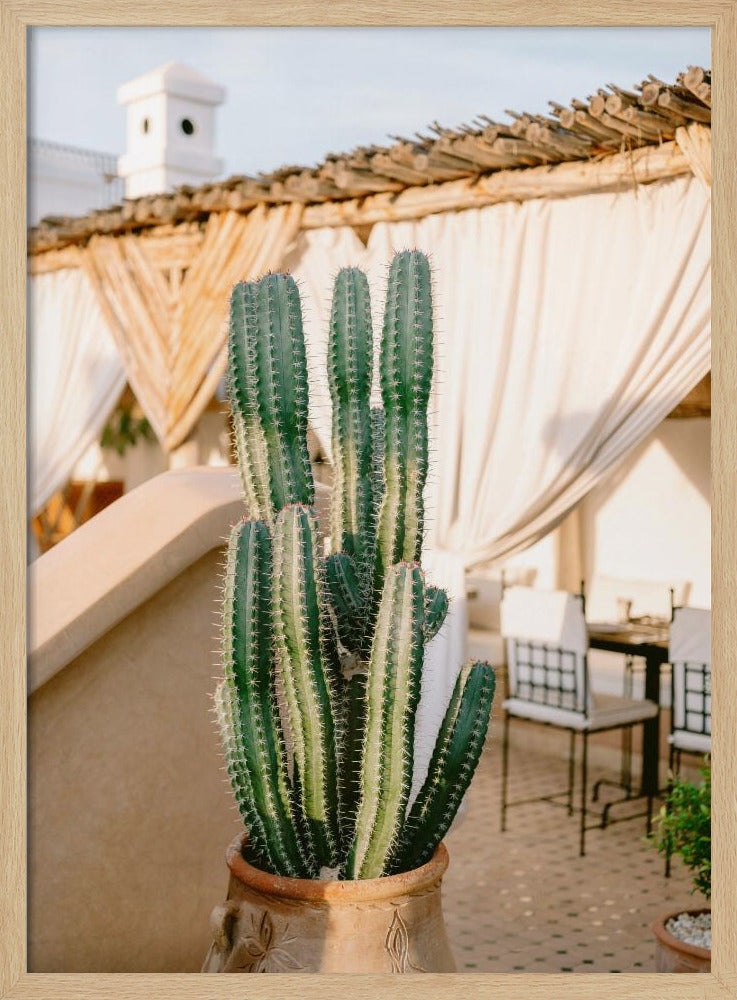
(255, 753)
(393, 691)
(456, 754)
(323, 780)
(406, 377)
(350, 364)
(308, 681)
(268, 394)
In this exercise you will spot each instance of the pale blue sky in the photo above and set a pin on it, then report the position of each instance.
(295, 94)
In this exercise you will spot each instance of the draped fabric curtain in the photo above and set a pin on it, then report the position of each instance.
(76, 377)
(566, 331)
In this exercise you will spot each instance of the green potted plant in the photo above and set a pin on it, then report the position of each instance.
(324, 631)
(683, 939)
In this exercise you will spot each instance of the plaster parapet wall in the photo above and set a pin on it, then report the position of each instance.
(115, 562)
(128, 807)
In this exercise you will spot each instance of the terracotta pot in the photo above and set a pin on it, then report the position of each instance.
(674, 955)
(274, 924)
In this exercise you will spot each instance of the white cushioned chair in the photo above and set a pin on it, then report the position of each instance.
(690, 658)
(547, 645)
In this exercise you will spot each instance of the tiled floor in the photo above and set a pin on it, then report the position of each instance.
(524, 901)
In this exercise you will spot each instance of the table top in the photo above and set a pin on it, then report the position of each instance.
(628, 636)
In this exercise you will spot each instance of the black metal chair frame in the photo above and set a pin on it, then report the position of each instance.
(700, 717)
(545, 686)
(633, 665)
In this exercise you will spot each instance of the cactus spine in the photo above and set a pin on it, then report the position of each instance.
(323, 783)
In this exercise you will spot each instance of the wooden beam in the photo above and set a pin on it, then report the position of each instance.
(696, 404)
(55, 260)
(694, 141)
(611, 173)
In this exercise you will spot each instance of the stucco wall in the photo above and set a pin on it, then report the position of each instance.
(129, 810)
(129, 815)
(651, 520)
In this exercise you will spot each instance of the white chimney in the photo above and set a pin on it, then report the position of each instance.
(170, 130)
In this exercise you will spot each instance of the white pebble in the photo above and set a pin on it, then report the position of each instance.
(691, 928)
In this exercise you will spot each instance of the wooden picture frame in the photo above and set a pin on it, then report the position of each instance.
(16, 16)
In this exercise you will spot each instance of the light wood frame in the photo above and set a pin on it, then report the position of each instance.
(15, 17)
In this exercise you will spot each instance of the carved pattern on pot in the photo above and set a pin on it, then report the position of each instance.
(397, 945)
(262, 950)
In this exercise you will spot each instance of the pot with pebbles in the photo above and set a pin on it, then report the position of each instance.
(324, 632)
(683, 941)
(683, 938)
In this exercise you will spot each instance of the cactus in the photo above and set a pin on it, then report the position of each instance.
(393, 691)
(323, 780)
(247, 704)
(308, 680)
(268, 394)
(406, 376)
(436, 609)
(350, 364)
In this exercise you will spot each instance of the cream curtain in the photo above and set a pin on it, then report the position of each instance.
(76, 377)
(566, 332)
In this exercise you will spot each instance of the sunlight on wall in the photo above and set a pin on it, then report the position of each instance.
(652, 519)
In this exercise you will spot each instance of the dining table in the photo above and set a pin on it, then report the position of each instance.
(647, 638)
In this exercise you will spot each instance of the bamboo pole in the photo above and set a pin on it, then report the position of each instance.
(694, 141)
(611, 173)
(55, 260)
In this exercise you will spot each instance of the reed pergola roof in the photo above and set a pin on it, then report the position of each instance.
(460, 165)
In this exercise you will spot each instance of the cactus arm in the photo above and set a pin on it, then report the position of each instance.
(456, 754)
(256, 751)
(436, 609)
(268, 393)
(406, 376)
(350, 364)
(249, 436)
(237, 768)
(393, 689)
(282, 389)
(311, 698)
